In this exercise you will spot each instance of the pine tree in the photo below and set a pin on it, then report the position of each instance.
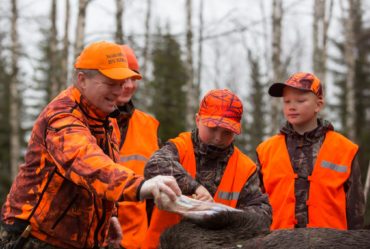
(361, 91)
(39, 91)
(46, 68)
(255, 125)
(167, 87)
(4, 126)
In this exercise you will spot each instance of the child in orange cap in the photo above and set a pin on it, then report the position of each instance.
(138, 141)
(309, 171)
(208, 166)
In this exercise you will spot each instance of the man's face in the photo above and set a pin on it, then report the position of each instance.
(128, 90)
(101, 91)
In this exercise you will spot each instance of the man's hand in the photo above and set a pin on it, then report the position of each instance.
(115, 233)
(153, 187)
(202, 194)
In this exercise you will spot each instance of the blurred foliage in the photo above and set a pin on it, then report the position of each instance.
(4, 125)
(168, 87)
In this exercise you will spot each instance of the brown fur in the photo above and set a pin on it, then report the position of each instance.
(228, 231)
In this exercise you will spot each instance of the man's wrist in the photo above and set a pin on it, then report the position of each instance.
(138, 197)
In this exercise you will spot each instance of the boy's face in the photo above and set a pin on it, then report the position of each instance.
(128, 90)
(216, 136)
(301, 107)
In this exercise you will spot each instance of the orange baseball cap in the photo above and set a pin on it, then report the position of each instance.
(302, 81)
(131, 60)
(106, 57)
(222, 108)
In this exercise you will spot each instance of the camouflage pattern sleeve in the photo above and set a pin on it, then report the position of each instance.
(260, 176)
(80, 159)
(253, 201)
(165, 161)
(355, 199)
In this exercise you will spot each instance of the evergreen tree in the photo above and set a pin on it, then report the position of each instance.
(39, 89)
(362, 91)
(255, 125)
(167, 87)
(5, 180)
(340, 82)
(242, 140)
(45, 66)
(37, 92)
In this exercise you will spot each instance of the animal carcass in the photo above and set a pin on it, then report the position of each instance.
(211, 226)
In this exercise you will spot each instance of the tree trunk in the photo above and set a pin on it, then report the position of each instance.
(144, 89)
(14, 98)
(64, 70)
(197, 84)
(277, 16)
(54, 84)
(350, 61)
(191, 98)
(266, 54)
(147, 41)
(321, 23)
(119, 21)
(80, 28)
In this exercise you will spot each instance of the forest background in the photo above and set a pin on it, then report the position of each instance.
(185, 48)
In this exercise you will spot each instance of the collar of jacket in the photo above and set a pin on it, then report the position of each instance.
(88, 108)
(126, 111)
(323, 126)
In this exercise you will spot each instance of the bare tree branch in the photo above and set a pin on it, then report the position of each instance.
(14, 95)
(119, 20)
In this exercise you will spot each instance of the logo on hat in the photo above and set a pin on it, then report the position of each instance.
(221, 108)
(107, 58)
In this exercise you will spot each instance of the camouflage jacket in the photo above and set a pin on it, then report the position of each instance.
(70, 175)
(303, 151)
(210, 166)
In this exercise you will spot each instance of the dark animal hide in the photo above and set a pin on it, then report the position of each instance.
(229, 230)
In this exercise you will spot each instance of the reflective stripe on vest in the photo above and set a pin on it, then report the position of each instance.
(326, 202)
(124, 159)
(237, 172)
(228, 195)
(335, 167)
(140, 142)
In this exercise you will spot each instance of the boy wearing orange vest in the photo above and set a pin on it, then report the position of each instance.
(309, 171)
(138, 133)
(208, 166)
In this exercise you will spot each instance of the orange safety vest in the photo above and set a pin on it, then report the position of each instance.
(140, 143)
(327, 199)
(237, 172)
